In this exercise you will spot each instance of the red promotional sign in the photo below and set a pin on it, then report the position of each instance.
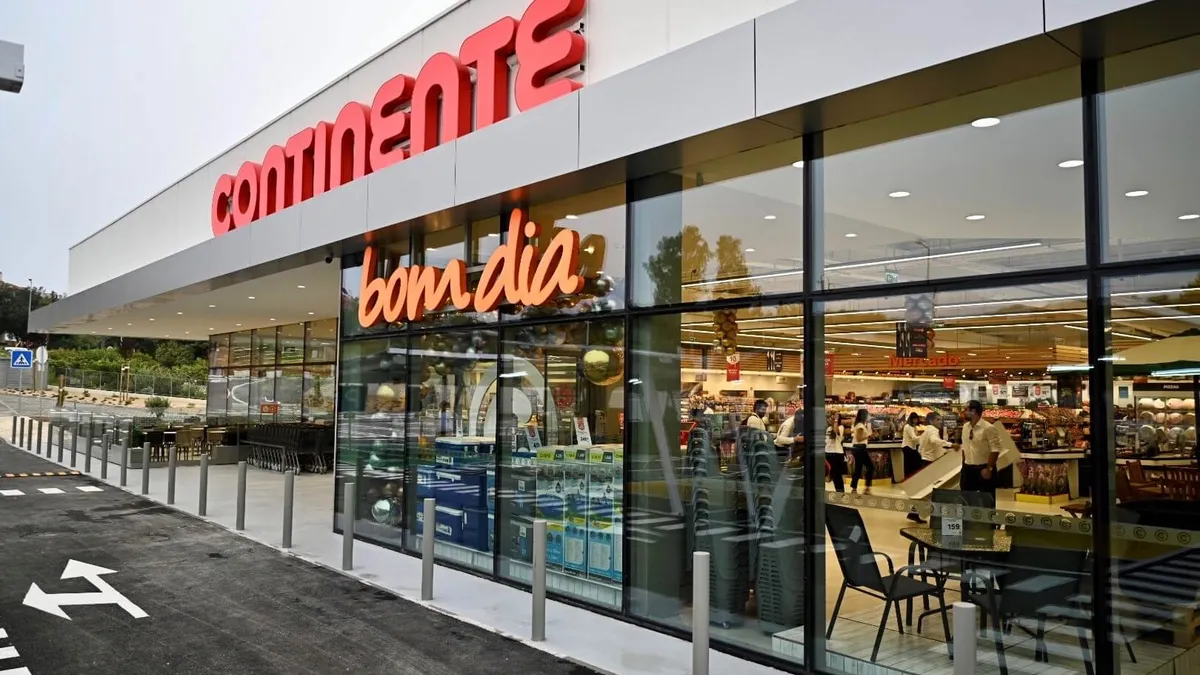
(829, 365)
(268, 408)
(949, 383)
(433, 108)
(733, 368)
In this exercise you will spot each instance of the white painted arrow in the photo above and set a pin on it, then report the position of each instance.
(52, 603)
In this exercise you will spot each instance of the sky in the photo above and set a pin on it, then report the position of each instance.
(124, 97)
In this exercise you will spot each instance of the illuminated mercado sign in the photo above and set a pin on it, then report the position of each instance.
(938, 362)
(516, 273)
(363, 139)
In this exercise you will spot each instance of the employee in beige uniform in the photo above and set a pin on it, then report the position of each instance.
(981, 451)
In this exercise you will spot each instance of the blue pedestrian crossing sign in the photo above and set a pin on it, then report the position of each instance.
(21, 359)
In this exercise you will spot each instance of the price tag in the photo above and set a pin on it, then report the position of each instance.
(952, 531)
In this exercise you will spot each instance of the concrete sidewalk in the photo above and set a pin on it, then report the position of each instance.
(597, 641)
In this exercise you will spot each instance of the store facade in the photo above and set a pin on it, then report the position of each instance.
(659, 343)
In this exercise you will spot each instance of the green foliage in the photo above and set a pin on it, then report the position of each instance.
(157, 405)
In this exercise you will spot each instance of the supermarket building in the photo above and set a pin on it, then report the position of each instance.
(539, 259)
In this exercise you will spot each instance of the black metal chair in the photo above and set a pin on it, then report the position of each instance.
(860, 572)
(1033, 582)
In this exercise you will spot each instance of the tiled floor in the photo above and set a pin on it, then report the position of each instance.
(619, 647)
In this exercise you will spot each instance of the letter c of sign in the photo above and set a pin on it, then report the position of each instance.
(245, 195)
(222, 216)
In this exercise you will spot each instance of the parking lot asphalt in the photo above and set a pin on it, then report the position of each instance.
(94, 579)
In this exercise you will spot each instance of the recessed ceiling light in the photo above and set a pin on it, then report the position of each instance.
(249, 297)
(1070, 163)
(749, 250)
(985, 122)
(271, 319)
(976, 216)
(301, 286)
(93, 332)
(851, 235)
(110, 328)
(1137, 193)
(311, 313)
(572, 216)
(210, 328)
(151, 319)
(494, 234)
(212, 306)
(128, 324)
(971, 354)
(899, 194)
(768, 217)
(941, 351)
(798, 164)
(1189, 216)
(238, 325)
(187, 332)
(179, 313)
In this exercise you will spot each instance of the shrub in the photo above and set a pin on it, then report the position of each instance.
(157, 405)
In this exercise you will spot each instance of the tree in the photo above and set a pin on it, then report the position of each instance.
(680, 258)
(171, 354)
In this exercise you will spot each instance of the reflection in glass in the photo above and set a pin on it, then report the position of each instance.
(322, 341)
(563, 402)
(289, 386)
(452, 441)
(318, 394)
(261, 392)
(1153, 151)
(218, 395)
(716, 456)
(926, 194)
(291, 343)
(241, 348)
(371, 423)
(725, 229)
(218, 351)
(263, 347)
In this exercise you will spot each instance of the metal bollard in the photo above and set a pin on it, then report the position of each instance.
(289, 495)
(105, 447)
(428, 537)
(13, 438)
(700, 599)
(87, 447)
(74, 444)
(539, 581)
(146, 468)
(240, 522)
(349, 512)
(21, 436)
(171, 459)
(125, 457)
(964, 638)
(203, 506)
(38, 448)
(62, 430)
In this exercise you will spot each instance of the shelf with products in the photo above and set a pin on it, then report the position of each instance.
(1161, 423)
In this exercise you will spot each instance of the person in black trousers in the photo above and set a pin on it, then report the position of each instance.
(862, 459)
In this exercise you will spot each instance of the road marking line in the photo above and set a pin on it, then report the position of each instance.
(8, 653)
(12, 493)
(89, 488)
(16, 671)
(50, 491)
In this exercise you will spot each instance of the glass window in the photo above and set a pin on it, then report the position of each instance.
(715, 464)
(1153, 151)
(262, 394)
(392, 255)
(218, 351)
(563, 410)
(987, 183)
(322, 341)
(1153, 361)
(438, 249)
(289, 393)
(291, 343)
(218, 395)
(263, 347)
(318, 394)
(241, 348)
(371, 422)
(486, 236)
(239, 395)
(452, 440)
(915, 475)
(599, 218)
(724, 229)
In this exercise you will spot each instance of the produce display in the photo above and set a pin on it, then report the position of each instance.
(1044, 478)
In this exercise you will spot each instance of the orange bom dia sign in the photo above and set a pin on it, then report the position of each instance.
(516, 273)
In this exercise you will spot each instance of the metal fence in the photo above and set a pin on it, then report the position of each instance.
(144, 384)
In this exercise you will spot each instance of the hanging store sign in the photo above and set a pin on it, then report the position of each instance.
(516, 273)
(429, 110)
(937, 362)
(733, 368)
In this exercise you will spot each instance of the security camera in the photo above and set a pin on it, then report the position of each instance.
(328, 259)
(12, 66)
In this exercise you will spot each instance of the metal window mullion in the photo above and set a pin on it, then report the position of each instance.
(812, 235)
(1100, 371)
